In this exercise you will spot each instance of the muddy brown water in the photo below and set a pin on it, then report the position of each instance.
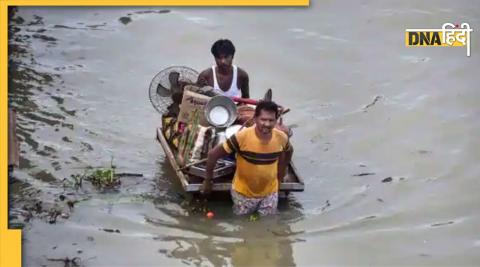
(386, 137)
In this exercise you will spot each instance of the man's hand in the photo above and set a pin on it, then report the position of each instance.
(206, 187)
(213, 155)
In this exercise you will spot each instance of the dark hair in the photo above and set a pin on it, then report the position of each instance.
(223, 46)
(267, 106)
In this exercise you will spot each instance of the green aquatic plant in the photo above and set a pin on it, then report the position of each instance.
(104, 178)
(254, 217)
(75, 181)
(100, 177)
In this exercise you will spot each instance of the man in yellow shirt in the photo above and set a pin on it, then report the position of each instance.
(262, 155)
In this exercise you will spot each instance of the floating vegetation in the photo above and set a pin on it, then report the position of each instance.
(108, 230)
(104, 178)
(75, 181)
(195, 206)
(125, 20)
(387, 180)
(254, 217)
(74, 262)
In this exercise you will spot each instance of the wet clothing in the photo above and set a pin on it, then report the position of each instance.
(233, 90)
(243, 205)
(257, 161)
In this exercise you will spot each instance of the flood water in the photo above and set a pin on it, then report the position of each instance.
(386, 137)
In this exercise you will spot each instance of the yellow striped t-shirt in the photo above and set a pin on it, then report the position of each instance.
(257, 161)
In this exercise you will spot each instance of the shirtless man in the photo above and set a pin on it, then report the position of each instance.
(225, 78)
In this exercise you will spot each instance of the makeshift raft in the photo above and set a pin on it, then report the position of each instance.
(292, 182)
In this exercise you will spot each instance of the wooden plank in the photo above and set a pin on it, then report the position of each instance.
(296, 187)
(171, 158)
(13, 155)
(215, 187)
(187, 186)
(221, 186)
(300, 186)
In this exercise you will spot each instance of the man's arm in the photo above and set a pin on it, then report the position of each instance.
(244, 83)
(212, 158)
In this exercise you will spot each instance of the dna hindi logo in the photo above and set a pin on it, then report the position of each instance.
(449, 35)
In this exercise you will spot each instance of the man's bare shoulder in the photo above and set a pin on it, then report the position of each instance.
(242, 73)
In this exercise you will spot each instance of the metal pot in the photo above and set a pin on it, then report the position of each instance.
(221, 111)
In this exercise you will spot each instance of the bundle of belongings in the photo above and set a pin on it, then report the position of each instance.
(192, 133)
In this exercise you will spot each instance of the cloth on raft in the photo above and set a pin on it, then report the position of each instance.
(203, 143)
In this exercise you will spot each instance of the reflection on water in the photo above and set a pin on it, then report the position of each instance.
(226, 240)
(258, 244)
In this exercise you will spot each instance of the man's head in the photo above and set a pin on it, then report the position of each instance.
(223, 51)
(266, 114)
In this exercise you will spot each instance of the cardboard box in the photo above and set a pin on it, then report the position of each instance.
(192, 102)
